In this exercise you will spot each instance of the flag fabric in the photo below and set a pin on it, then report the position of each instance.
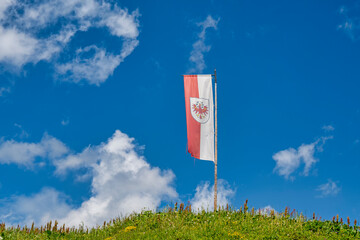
(199, 116)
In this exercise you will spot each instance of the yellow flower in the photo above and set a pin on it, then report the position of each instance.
(129, 228)
(236, 234)
(109, 238)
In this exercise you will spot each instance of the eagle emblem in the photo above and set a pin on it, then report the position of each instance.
(200, 109)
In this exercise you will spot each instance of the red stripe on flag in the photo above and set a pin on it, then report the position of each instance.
(193, 127)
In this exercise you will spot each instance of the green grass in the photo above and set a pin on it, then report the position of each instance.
(182, 223)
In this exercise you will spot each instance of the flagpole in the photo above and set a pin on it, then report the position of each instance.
(215, 182)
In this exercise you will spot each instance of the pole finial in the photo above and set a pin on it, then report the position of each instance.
(215, 75)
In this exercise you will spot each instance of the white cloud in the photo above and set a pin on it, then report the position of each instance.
(35, 31)
(48, 48)
(65, 122)
(19, 47)
(4, 90)
(328, 128)
(26, 209)
(289, 160)
(267, 210)
(328, 189)
(351, 22)
(16, 47)
(41, 14)
(23, 134)
(199, 47)
(95, 68)
(204, 196)
(306, 153)
(123, 24)
(112, 163)
(4, 4)
(128, 47)
(26, 154)
(122, 182)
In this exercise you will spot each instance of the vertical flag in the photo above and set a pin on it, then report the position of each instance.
(199, 116)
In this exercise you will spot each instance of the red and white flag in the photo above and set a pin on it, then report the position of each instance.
(199, 116)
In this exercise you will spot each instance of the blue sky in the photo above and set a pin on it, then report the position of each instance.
(92, 121)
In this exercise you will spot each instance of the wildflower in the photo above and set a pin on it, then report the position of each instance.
(129, 228)
(237, 234)
(109, 238)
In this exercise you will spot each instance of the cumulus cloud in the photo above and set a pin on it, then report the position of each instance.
(25, 209)
(122, 182)
(328, 189)
(26, 154)
(40, 30)
(204, 196)
(267, 210)
(112, 163)
(289, 160)
(199, 47)
(4, 4)
(16, 47)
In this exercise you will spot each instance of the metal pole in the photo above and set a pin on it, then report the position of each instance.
(215, 182)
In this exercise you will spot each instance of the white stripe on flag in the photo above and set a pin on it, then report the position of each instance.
(207, 129)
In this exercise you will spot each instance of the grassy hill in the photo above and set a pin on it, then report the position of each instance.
(182, 223)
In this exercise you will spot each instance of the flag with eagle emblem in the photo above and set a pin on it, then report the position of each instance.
(199, 116)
